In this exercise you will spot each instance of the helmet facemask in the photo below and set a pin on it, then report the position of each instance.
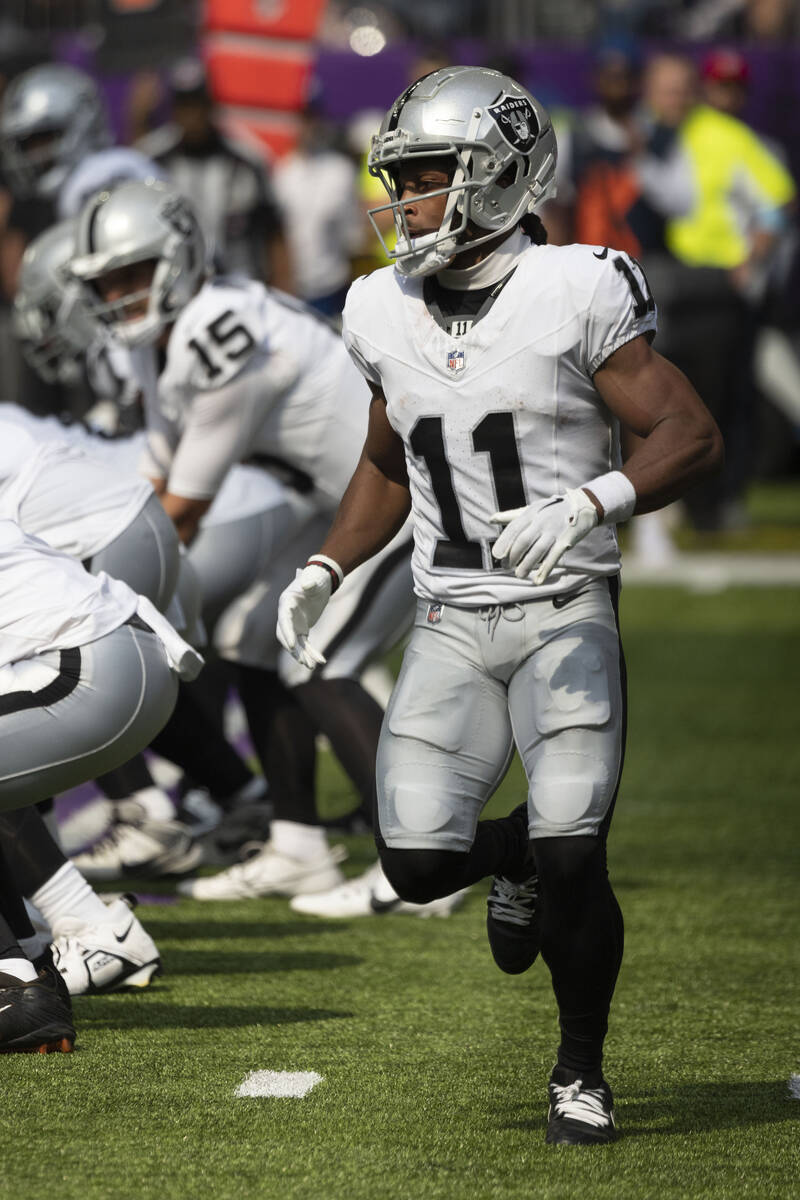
(44, 333)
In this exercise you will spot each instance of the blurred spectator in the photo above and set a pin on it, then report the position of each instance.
(229, 185)
(371, 192)
(726, 76)
(317, 188)
(709, 296)
(619, 177)
(747, 21)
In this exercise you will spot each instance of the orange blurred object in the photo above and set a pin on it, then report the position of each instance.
(267, 18)
(258, 75)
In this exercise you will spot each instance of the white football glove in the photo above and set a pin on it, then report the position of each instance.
(535, 537)
(300, 606)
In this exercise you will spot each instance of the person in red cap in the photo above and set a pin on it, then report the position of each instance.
(726, 79)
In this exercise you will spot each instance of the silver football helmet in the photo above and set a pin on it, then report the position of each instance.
(51, 116)
(501, 146)
(140, 221)
(52, 325)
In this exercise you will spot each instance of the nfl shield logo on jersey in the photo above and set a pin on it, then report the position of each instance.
(435, 613)
(455, 360)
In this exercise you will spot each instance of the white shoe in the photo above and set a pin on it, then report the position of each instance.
(83, 825)
(268, 873)
(143, 849)
(102, 958)
(371, 895)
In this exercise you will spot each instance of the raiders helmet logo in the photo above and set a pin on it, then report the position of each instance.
(516, 120)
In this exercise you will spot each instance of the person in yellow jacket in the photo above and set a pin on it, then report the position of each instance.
(742, 191)
(716, 273)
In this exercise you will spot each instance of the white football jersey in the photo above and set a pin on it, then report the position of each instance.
(63, 495)
(48, 601)
(504, 415)
(252, 375)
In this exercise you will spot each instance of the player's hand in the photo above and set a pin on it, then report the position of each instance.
(300, 606)
(535, 537)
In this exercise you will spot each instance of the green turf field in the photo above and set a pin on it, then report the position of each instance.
(434, 1063)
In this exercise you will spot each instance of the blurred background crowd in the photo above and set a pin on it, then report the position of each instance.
(678, 143)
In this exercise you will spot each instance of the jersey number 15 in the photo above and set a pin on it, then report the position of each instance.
(232, 342)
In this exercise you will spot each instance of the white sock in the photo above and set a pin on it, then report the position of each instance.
(304, 842)
(155, 804)
(67, 895)
(33, 946)
(21, 968)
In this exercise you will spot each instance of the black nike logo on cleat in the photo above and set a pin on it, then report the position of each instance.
(603, 255)
(560, 601)
(122, 937)
(383, 906)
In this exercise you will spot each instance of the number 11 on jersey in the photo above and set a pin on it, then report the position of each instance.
(494, 435)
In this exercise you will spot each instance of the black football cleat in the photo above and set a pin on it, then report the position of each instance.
(513, 924)
(44, 965)
(579, 1115)
(33, 1016)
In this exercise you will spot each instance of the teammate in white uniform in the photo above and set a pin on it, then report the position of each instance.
(87, 678)
(501, 370)
(137, 543)
(249, 374)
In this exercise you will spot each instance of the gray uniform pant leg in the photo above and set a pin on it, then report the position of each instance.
(144, 555)
(228, 558)
(471, 676)
(245, 632)
(446, 738)
(567, 713)
(111, 698)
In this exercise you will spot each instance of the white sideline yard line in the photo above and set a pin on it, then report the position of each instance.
(714, 572)
(291, 1085)
(794, 1087)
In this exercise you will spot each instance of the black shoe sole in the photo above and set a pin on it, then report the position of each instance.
(575, 1137)
(41, 1041)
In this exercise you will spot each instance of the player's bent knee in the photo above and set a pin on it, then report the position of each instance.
(419, 876)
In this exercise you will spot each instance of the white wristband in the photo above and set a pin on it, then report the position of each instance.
(322, 560)
(616, 494)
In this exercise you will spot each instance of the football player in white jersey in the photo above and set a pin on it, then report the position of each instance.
(501, 370)
(88, 675)
(248, 374)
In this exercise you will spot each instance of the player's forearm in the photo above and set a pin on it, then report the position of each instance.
(372, 510)
(676, 454)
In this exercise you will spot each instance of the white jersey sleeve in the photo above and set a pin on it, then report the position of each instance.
(358, 349)
(221, 377)
(621, 307)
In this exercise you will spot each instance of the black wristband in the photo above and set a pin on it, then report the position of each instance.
(315, 562)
